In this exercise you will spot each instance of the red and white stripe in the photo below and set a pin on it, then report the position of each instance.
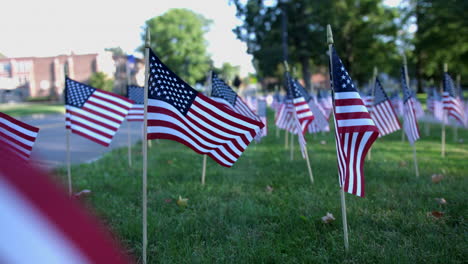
(385, 118)
(99, 118)
(136, 113)
(410, 122)
(40, 224)
(284, 118)
(454, 108)
(18, 136)
(320, 122)
(368, 102)
(303, 113)
(240, 107)
(208, 128)
(354, 132)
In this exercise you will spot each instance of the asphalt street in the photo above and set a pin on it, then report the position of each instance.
(49, 150)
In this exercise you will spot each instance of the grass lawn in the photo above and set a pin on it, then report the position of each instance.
(23, 109)
(233, 219)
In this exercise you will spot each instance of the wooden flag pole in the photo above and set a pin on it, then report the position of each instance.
(455, 127)
(343, 201)
(444, 119)
(405, 66)
(145, 148)
(286, 137)
(372, 82)
(208, 91)
(292, 147)
(68, 132)
(308, 166)
(129, 128)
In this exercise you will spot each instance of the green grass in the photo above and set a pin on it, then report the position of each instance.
(232, 219)
(23, 109)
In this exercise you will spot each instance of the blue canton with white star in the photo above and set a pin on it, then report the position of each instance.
(342, 82)
(379, 93)
(166, 86)
(136, 93)
(407, 94)
(76, 93)
(221, 90)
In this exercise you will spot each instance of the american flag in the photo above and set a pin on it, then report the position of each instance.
(301, 107)
(326, 102)
(354, 129)
(368, 102)
(397, 103)
(410, 123)
(93, 113)
(383, 114)
(17, 136)
(178, 112)
(284, 116)
(222, 93)
(41, 224)
(452, 103)
(137, 111)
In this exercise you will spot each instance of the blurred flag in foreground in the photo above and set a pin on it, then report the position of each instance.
(39, 223)
(92, 113)
(178, 112)
(17, 136)
(354, 129)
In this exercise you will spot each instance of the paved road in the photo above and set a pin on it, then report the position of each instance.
(50, 147)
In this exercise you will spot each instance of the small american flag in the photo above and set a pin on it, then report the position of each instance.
(262, 113)
(178, 112)
(410, 123)
(301, 107)
(137, 111)
(326, 102)
(354, 129)
(383, 114)
(284, 116)
(452, 103)
(92, 113)
(368, 102)
(222, 93)
(17, 136)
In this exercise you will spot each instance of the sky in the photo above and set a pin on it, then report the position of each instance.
(53, 27)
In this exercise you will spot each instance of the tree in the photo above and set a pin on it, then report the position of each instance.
(101, 81)
(364, 33)
(177, 38)
(116, 51)
(2, 56)
(227, 72)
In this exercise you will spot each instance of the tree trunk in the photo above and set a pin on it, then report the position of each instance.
(306, 73)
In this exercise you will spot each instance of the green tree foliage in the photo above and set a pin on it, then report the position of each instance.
(177, 38)
(116, 51)
(364, 33)
(441, 37)
(227, 72)
(2, 56)
(101, 81)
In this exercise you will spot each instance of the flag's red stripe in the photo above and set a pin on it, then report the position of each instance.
(348, 102)
(352, 115)
(106, 108)
(105, 144)
(19, 123)
(18, 133)
(92, 120)
(101, 115)
(16, 142)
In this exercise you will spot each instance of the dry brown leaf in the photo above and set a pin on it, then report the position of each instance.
(182, 202)
(328, 218)
(436, 178)
(441, 201)
(403, 164)
(436, 214)
(323, 142)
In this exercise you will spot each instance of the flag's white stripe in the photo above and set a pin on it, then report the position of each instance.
(347, 95)
(93, 116)
(355, 122)
(27, 236)
(376, 117)
(381, 119)
(90, 133)
(359, 159)
(200, 127)
(107, 131)
(136, 112)
(26, 152)
(350, 109)
(18, 128)
(179, 134)
(170, 119)
(225, 115)
(113, 98)
(392, 119)
(103, 103)
(104, 112)
(15, 136)
(351, 159)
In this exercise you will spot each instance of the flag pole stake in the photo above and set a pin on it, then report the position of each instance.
(203, 170)
(145, 149)
(68, 141)
(286, 137)
(369, 155)
(455, 127)
(208, 90)
(292, 147)
(415, 160)
(343, 202)
(129, 129)
(444, 119)
(308, 165)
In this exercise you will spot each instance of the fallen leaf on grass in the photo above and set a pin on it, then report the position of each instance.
(436, 178)
(441, 201)
(83, 193)
(436, 214)
(169, 162)
(328, 218)
(323, 142)
(269, 189)
(182, 202)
